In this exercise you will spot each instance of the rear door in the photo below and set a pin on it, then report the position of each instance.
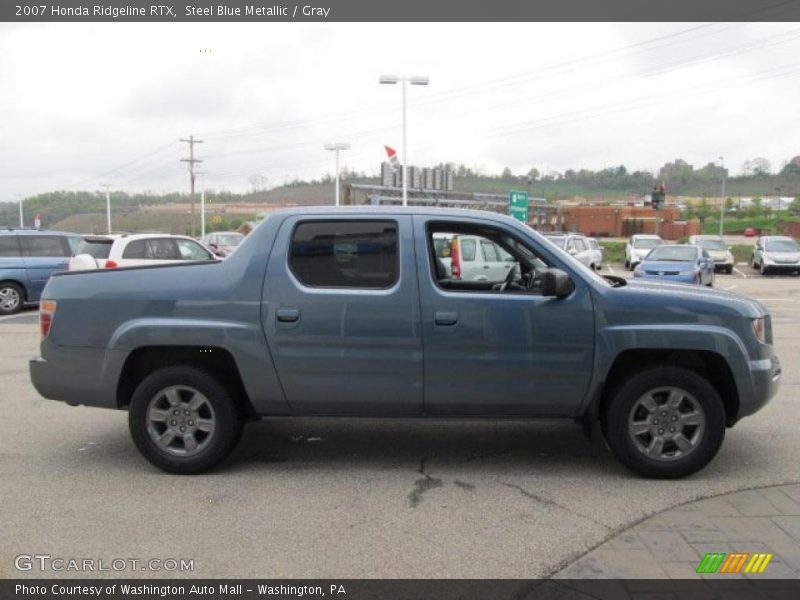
(43, 255)
(340, 310)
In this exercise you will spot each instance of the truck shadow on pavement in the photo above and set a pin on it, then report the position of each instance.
(374, 443)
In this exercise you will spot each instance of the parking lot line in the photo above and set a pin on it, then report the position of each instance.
(17, 316)
(739, 272)
(730, 287)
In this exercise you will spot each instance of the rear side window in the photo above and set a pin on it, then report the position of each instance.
(94, 248)
(44, 246)
(345, 254)
(9, 247)
(134, 249)
(468, 250)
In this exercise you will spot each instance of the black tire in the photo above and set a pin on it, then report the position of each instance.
(226, 417)
(8, 291)
(729, 270)
(627, 264)
(615, 422)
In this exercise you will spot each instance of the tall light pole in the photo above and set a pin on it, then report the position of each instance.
(21, 222)
(202, 203)
(722, 206)
(405, 80)
(337, 147)
(108, 206)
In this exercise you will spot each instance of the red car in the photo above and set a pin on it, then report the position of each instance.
(749, 232)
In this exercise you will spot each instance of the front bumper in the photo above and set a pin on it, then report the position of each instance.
(782, 266)
(765, 378)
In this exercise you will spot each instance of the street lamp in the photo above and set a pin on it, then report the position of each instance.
(108, 207)
(337, 147)
(722, 206)
(21, 221)
(405, 80)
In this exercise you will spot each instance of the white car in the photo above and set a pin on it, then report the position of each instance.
(472, 257)
(575, 244)
(717, 249)
(136, 249)
(638, 247)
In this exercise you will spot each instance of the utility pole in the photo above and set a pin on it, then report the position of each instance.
(108, 206)
(191, 161)
(202, 203)
(722, 207)
(21, 221)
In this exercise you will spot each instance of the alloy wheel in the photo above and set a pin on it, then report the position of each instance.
(180, 420)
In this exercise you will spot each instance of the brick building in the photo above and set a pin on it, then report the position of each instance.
(623, 221)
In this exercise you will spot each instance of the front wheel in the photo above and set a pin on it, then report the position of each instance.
(762, 268)
(665, 423)
(183, 420)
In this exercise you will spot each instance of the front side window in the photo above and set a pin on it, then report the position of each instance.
(191, 250)
(345, 254)
(509, 266)
(161, 249)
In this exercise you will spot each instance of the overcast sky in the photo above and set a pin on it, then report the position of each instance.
(85, 104)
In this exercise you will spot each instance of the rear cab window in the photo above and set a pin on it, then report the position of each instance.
(345, 254)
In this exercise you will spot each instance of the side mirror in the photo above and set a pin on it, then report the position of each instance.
(556, 283)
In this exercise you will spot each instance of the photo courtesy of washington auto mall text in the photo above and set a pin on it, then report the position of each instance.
(399, 299)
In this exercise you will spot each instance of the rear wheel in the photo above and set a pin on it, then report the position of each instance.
(183, 420)
(11, 298)
(665, 422)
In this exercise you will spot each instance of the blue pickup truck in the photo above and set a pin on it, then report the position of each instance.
(350, 312)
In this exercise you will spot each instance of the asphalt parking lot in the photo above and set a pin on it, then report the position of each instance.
(357, 498)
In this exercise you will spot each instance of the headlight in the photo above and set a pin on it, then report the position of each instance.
(759, 328)
(766, 258)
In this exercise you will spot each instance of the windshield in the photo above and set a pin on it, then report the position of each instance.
(712, 244)
(229, 239)
(782, 246)
(94, 248)
(673, 253)
(594, 244)
(646, 243)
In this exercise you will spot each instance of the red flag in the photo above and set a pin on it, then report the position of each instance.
(392, 154)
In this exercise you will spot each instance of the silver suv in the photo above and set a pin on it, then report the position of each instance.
(776, 253)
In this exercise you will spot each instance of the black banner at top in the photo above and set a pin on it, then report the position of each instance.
(199, 11)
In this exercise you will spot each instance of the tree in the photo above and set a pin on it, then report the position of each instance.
(794, 207)
(728, 204)
(533, 174)
(761, 166)
(507, 174)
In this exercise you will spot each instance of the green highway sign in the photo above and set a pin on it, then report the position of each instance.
(518, 205)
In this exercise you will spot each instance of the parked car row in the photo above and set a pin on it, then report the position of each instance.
(29, 257)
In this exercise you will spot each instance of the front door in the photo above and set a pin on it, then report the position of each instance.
(341, 315)
(499, 347)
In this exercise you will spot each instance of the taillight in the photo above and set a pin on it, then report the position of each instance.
(110, 264)
(47, 308)
(455, 260)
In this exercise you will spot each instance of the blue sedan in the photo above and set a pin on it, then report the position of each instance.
(680, 263)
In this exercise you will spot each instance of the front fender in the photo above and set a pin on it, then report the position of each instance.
(612, 341)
